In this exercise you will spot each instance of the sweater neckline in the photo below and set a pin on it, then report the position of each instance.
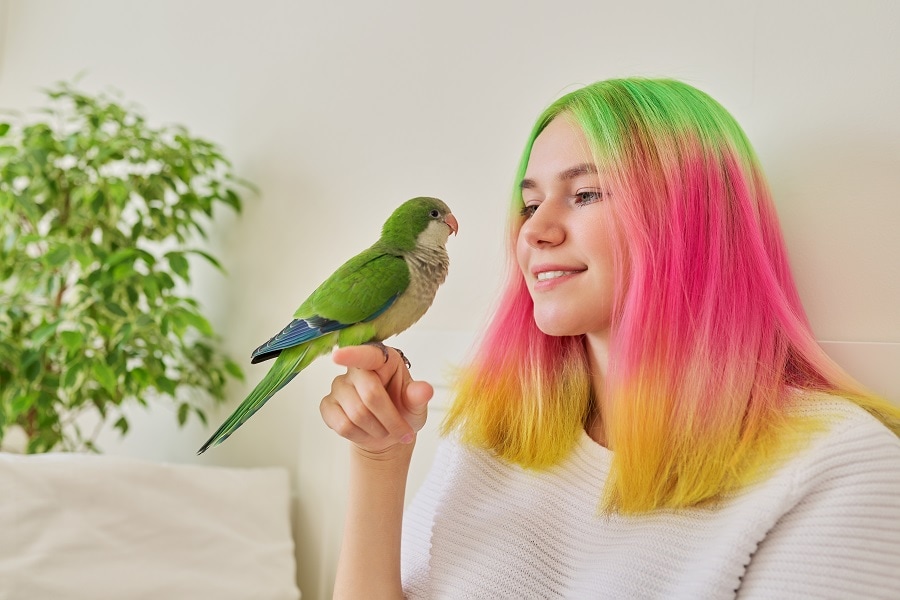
(592, 449)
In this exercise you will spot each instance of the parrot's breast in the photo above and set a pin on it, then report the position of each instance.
(427, 271)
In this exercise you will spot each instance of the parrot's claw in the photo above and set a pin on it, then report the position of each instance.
(403, 358)
(384, 351)
(380, 346)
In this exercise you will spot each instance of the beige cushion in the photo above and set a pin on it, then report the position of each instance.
(95, 527)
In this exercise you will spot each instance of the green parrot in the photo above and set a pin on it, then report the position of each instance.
(376, 294)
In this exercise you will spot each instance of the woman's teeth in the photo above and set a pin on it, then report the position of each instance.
(553, 274)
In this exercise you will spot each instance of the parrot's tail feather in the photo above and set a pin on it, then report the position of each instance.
(279, 376)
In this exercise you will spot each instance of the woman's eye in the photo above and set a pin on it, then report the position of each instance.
(588, 196)
(528, 210)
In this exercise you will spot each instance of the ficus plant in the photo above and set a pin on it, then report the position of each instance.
(102, 218)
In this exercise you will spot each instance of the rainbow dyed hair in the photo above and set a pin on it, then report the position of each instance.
(710, 348)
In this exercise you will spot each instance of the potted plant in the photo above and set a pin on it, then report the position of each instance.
(100, 216)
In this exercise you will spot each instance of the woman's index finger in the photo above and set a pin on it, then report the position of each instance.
(369, 357)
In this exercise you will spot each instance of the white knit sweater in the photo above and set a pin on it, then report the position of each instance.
(825, 525)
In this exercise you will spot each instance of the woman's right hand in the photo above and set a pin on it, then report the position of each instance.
(375, 404)
(379, 408)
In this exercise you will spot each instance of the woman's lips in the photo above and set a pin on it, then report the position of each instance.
(547, 277)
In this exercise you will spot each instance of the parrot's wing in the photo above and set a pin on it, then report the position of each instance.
(299, 331)
(360, 290)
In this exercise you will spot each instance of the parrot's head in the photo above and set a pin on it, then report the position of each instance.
(419, 222)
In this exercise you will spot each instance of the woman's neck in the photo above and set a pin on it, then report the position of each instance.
(597, 347)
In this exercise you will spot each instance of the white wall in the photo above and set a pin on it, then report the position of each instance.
(339, 110)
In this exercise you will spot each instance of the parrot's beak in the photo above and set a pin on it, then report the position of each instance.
(452, 223)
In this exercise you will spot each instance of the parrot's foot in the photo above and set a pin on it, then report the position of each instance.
(384, 351)
(403, 358)
(380, 346)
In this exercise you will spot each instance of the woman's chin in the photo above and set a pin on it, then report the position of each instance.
(556, 327)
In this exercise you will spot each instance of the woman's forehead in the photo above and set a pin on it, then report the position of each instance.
(560, 150)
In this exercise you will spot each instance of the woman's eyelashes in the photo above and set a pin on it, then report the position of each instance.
(583, 197)
(580, 198)
(528, 210)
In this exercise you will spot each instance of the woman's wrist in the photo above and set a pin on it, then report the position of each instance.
(398, 455)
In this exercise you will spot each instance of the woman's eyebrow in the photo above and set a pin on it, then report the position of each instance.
(572, 173)
(582, 169)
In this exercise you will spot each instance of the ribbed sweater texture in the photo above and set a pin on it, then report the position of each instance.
(825, 524)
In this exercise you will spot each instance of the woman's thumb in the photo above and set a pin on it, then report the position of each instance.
(418, 393)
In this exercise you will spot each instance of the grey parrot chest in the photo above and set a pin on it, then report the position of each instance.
(427, 271)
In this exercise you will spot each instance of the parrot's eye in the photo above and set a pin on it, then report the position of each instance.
(434, 213)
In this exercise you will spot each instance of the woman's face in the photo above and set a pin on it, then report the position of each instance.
(564, 248)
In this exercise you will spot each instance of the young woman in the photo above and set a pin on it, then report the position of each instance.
(648, 414)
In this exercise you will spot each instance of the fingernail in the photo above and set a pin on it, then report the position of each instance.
(407, 439)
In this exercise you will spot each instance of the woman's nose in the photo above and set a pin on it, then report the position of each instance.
(544, 227)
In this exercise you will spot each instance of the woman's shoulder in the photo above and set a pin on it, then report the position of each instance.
(839, 524)
(848, 446)
(839, 418)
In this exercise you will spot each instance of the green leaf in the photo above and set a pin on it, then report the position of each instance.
(22, 403)
(234, 369)
(165, 385)
(179, 264)
(100, 404)
(70, 377)
(98, 202)
(57, 256)
(233, 200)
(118, 193)
(200, 415)
(211, 259)
(72, 340)
(120, 256)
(165, 281)
(122, 425)
(31, 364)
(198, 322)
(183, 411)
(151, 289)
(106, 377)
(122, 272)
(84, 258)
(125, 333)
(4, 128)
(144, 321)
(140, 376)
(116, 309)
(43, 333)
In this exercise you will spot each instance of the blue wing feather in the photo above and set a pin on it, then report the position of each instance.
(300, 331)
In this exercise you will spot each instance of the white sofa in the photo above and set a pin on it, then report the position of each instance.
(91, 527)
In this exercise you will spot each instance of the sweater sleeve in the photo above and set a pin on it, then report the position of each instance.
(418, 520)
(841, 537)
